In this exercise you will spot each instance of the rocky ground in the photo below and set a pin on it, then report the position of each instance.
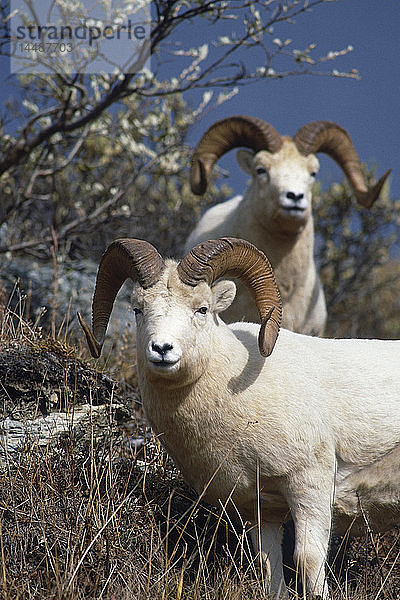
(46, 392)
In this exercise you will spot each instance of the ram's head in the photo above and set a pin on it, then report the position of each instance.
(282, 168)
(177, 304)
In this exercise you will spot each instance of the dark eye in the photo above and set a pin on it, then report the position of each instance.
(137, 311)
(202, 310)
(313, 174)
(261, 170)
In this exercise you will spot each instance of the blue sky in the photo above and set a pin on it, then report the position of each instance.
(368, 109)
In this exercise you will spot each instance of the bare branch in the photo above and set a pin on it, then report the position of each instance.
(71, 114)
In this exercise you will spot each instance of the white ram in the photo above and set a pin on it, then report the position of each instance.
(301, 428)
(275, 213)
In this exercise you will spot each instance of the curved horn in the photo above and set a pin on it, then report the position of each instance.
(124, 258)
(223, 136)
(233, 257)
(330, 138)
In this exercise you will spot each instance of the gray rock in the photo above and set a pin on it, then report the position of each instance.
(31, 289)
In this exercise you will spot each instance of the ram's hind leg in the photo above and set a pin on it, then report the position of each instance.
(269, 536)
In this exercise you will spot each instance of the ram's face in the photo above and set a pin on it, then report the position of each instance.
(282, 183)
(176, 323)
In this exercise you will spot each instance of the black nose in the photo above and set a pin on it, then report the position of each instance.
(161, 349)
(295, 197)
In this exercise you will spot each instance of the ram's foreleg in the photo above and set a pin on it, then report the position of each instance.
(269, 537)
(310, 501)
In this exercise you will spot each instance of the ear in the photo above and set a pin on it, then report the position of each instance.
(245, 160)
(224, 293)
(313, 163)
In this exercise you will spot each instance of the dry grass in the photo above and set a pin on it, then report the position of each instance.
(89, 522)
(100, 518)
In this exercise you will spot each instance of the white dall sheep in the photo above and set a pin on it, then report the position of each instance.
(301, 428)
(275, 213)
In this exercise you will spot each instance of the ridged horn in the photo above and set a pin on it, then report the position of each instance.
(330, 138)
(232, 257)
(123, 259)
(225, 135)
